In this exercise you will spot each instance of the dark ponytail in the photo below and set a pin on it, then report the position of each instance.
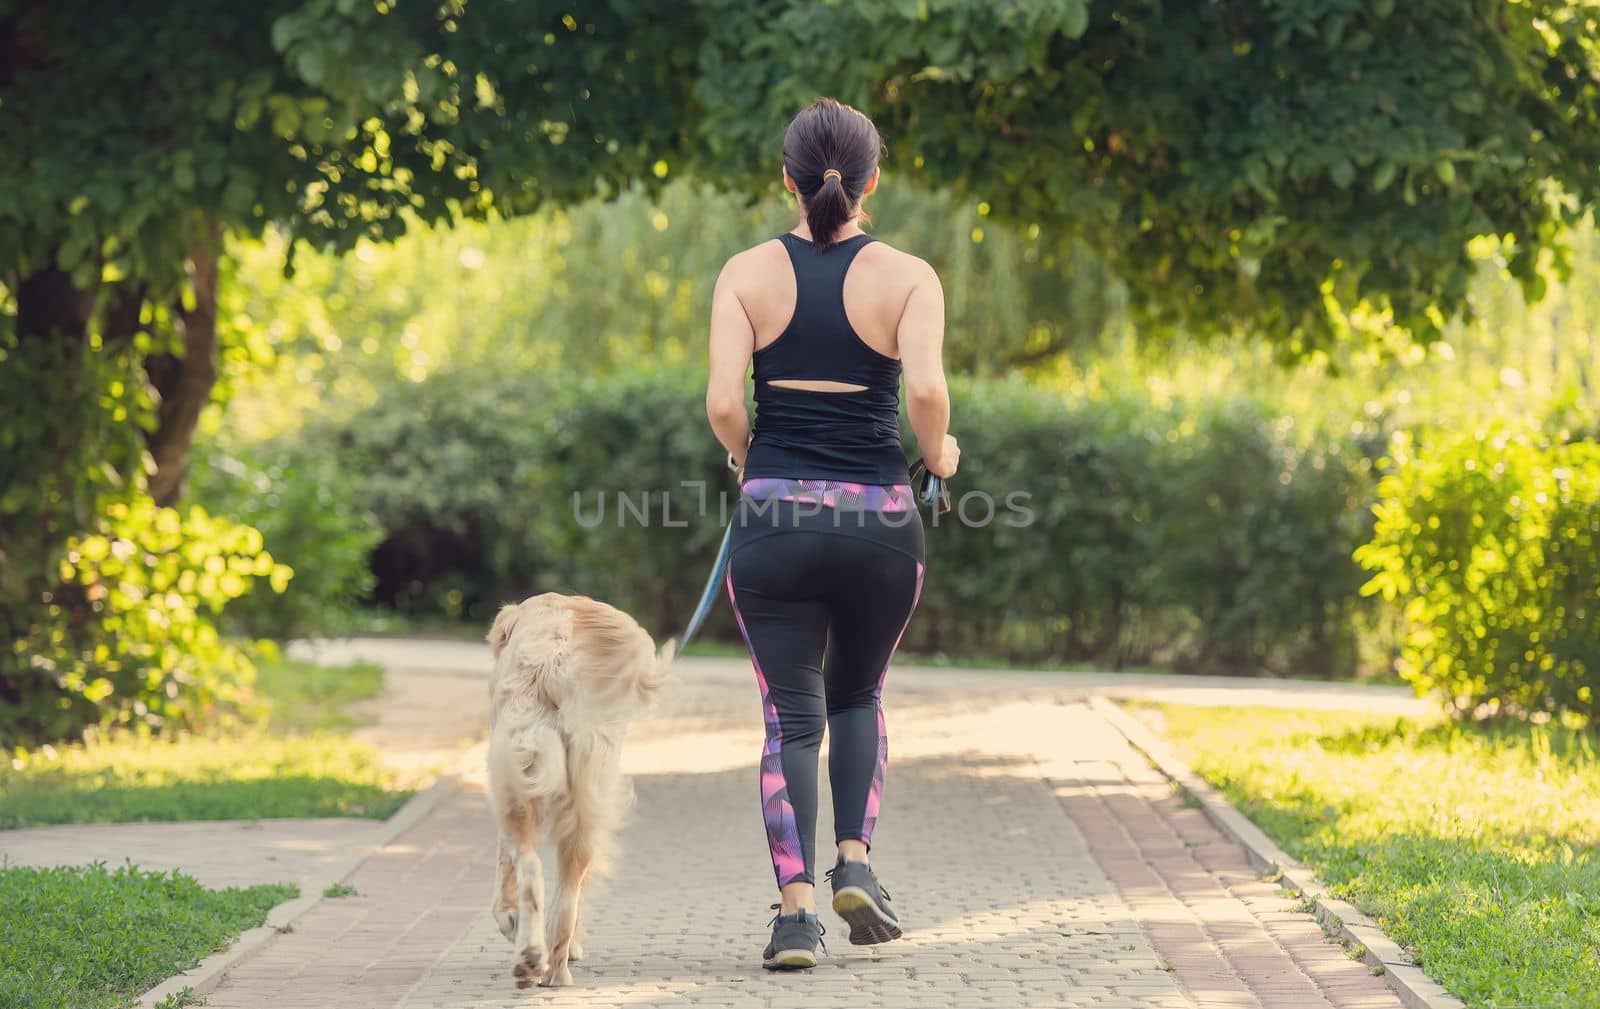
(830, 151)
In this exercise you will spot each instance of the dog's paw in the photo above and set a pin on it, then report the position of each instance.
(506, 919)
(528, 966)
(556, 977)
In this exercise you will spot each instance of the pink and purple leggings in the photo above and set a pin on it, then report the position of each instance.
(823, 587)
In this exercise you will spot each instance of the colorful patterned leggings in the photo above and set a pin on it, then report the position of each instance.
(823, 588)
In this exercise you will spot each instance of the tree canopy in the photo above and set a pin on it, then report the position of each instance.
(1269, 163)
(1262, 163)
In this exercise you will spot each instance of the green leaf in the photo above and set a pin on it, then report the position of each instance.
(284, 31)
(1075, 19)
(308, 64)
(1383, 175)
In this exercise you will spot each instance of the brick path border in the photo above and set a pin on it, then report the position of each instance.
(1356, 929)
(204, 977)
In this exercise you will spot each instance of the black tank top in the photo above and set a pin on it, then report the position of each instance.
(799, 434)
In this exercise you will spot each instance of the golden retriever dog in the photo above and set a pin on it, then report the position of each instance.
(569, 673)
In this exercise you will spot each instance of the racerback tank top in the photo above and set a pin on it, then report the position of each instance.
(800, 434)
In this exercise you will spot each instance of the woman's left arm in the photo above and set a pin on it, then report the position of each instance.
(732, 343)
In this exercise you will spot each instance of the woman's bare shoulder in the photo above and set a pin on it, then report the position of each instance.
(754, 262)
(897, 263)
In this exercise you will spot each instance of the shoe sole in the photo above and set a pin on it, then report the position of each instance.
(869, 926)
(791, 959)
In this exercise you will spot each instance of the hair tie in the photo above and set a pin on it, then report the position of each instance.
(835, 173)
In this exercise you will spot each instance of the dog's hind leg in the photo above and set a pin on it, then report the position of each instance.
(575, 855)
(503, 905)
(530, 960)
(527, 769)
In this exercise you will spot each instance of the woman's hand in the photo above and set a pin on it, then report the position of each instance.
(944, 464)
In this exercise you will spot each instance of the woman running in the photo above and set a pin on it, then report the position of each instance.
(827, 556)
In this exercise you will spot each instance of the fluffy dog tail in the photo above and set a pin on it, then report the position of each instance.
(657, 677)
(666, 655)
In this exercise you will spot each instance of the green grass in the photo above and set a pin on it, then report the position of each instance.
(384, 623)
(295, 761)
(300, 697)
(1477, 849)
(91, 938)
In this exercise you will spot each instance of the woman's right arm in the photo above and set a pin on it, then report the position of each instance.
(921, 340)
(732, 345)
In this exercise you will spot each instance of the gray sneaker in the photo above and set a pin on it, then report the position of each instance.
(863, 904)
(796, 938)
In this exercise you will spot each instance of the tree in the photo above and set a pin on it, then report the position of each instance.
(135, 134)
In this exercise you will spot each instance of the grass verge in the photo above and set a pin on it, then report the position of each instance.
(86, 937)
(294, 760)
(1478, 849)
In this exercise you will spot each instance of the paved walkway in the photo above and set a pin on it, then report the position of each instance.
(431, 659)
(219, 853)
(1036, 859)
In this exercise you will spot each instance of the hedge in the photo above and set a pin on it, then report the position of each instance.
(1210, 536)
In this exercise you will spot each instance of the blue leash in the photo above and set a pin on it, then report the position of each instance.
(708, 598)
(931, 491)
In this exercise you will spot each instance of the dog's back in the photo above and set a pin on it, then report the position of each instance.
(570, 671)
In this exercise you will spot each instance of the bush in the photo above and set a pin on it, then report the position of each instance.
(1254, 534)
(1060, 573)
(1214, 537)
(310, 519)
(126, 636)
(107, 602)
(444, 466)
(611, 450)
(1206, 536)
(1491, 543)
(472, 475)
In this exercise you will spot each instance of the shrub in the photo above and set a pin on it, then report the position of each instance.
(612, 449)
(1255, 527)
(1065, 579)
(1491, 543)
(444, 465)
(1215, 537)
(107, 602)
(472, 475)
(126, 635)
(1207, 536)
(310, 519)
